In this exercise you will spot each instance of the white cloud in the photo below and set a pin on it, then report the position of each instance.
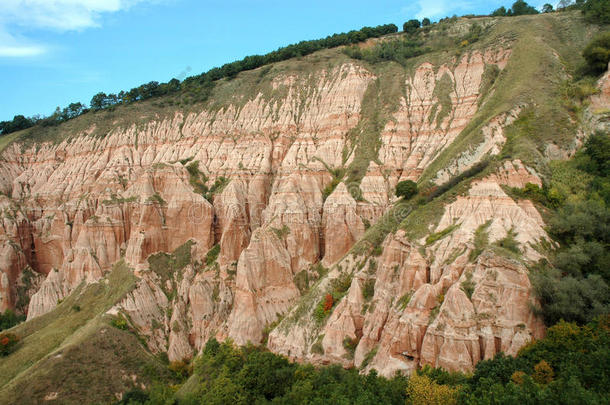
(58, 15)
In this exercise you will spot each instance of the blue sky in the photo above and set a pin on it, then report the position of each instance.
(54, 52)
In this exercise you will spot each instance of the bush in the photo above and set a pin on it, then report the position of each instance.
(8, 341)
(424, 391)
(411, 26)
(9, 318)
(406, 189)
(120, 323)
(368, 290)
(597, 53)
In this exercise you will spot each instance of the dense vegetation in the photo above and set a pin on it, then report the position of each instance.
(570, 365)
(574, 285)
(9, 318)
(225, 374)
(406, 189)
(597, 53)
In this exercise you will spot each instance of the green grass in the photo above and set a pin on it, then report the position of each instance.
(5, 140)
(534, 77)
(36, 365)
(381, 100)
(481, 241)
(441, 234)
(166, 265)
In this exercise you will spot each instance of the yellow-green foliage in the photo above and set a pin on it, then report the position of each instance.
(424, 391)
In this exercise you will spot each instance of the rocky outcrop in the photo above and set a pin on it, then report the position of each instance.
(264, 286)
(243, 180)
(447, 300)
(341, 224)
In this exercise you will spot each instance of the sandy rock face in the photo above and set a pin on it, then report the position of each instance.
(445, 301)
(250, 176)
(341, 224)
(264, 286)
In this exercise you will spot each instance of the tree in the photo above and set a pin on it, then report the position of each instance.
(597, 53)
(423, 391)
(411, 26)
(406, 189)
(499, 12)
(425, 22)
(520, 7)
(597, 11)
(547, 8)
(98, 101)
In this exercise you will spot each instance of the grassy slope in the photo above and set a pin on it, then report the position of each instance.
(546, 50)
(67, 349)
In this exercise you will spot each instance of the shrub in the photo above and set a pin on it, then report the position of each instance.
(9, 318)
(406, 189)
(411, 26)
(597, 53)
(424, 391)
(212, 255)
(8, 341)
(368, 290)
(468, 285)
(350, 345)
(120, 323)
(181, 368)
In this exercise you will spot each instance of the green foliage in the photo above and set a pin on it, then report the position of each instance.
(167, 266)
(212, 255)
(282, 232)
(519, 7)
(481, 240)
(8, 341)
(369, 357)
(509, 242)
(368, 289)
(250, 375)
(350, 345)
(574, 285)
(597, 52)
(567, 366)
(549, 197)
(404, 300)
(120, 322)
(156, 198)
(411, 26)
(396, 50)
(468, 285)
(18, 123)
(323, 308)
(406, 189)
(9, 318)
(441, 234)
(596, 11)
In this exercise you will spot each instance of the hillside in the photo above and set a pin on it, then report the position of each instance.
(265, 212)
